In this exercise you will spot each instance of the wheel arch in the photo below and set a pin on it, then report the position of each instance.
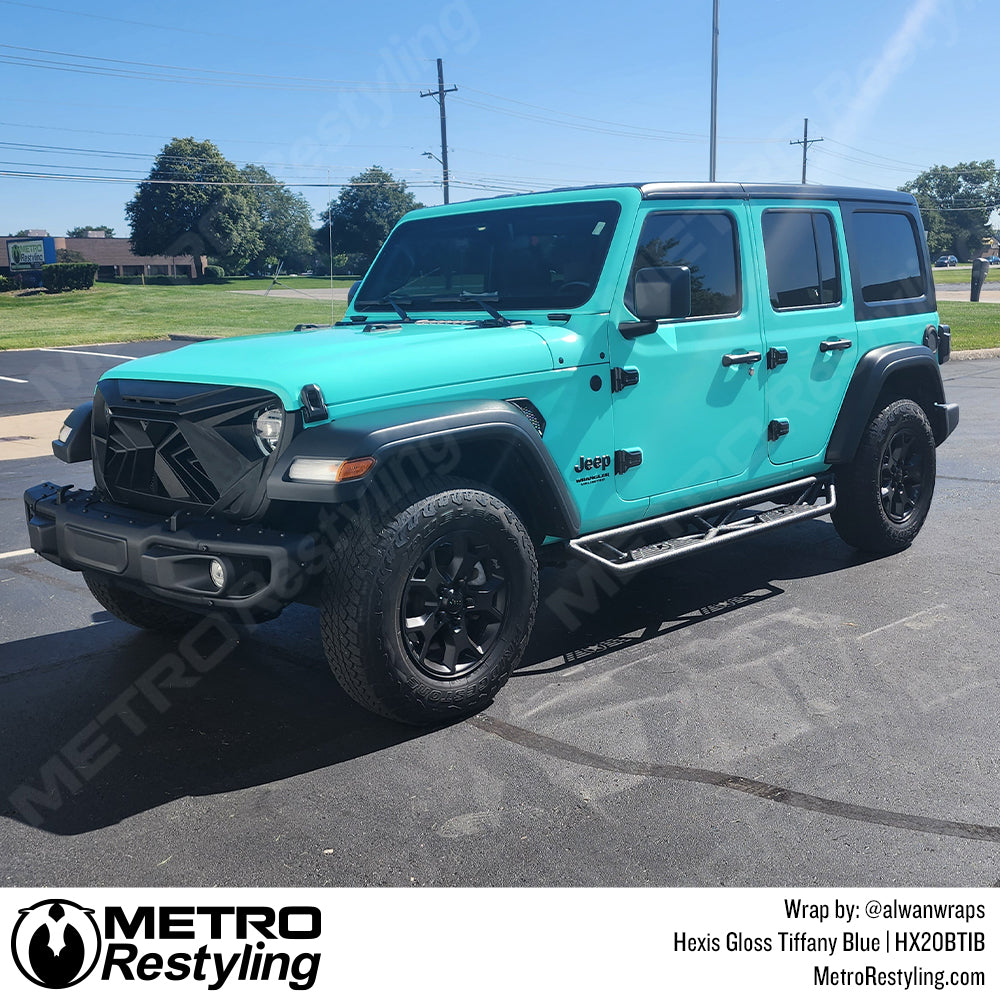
(491, 443)
(895, 371)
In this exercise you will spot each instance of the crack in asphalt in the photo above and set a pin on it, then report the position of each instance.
(774, 793)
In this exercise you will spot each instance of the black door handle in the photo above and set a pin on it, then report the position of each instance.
(740, 359)
(835, 345)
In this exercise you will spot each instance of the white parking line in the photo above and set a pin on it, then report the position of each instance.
(96, 354)
(19, 552)
(7, 378)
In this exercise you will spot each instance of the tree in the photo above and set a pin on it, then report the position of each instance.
(956, 204)
(70, 257)
(194, 202)
(369, 205)
(80, 232)
(286, 223)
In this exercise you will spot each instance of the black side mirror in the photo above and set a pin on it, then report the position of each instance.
(658, 293)
(663, 292)
(354, 288)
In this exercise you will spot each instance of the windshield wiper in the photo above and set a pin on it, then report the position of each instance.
(400, 311)
(389, 300)
(486, 300)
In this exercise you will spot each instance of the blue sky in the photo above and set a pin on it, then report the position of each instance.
(549, 94)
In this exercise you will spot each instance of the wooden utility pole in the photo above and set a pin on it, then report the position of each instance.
(805, 142)
(438, 95)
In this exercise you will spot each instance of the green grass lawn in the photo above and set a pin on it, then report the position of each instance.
(961, 275)
(973, 325)
(109, 313)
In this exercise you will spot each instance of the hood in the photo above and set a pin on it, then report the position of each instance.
(349, 364)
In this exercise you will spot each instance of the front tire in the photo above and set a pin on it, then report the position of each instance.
(425, 616)
(883, 496)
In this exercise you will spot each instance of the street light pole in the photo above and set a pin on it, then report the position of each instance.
(715, 88)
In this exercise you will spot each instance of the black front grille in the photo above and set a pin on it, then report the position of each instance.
(173, 446)
(154, 457)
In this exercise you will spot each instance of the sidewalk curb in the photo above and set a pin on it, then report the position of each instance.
(984, 352)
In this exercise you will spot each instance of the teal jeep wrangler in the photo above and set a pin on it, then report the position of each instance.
(622, 375)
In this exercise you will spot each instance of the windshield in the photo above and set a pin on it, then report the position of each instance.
(537, 257)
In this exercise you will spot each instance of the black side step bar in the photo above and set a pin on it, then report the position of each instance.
(660, 539)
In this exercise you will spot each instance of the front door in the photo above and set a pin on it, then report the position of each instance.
(696, 414)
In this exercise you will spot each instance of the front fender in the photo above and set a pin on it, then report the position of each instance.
(428, 439)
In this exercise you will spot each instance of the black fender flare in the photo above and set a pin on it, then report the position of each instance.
(428, 438)
(911, 363)
(78, 445)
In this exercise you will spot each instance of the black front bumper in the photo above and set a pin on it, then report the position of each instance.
(171, 558)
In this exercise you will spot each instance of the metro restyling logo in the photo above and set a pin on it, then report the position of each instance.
(57, 943)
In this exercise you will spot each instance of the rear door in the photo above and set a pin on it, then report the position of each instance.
(810, 334)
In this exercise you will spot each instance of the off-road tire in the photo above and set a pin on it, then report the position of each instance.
(883, 496)
(451, 575)
(137, 609)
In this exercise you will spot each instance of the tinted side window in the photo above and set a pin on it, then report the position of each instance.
(888, 256)
(801, 257)
(703, 241)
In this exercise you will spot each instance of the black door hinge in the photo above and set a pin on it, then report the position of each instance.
(777, 429)
(776, 356)
(625, 460)
(622, 377)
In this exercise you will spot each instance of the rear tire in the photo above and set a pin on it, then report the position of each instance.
(883, 496)
(137, 609)
(425, 615)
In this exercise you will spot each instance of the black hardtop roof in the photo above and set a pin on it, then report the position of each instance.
(665, 190)
(758, 192)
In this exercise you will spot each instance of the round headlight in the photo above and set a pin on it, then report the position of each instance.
(267, 428)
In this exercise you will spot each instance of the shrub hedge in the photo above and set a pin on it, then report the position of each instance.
(68, 277)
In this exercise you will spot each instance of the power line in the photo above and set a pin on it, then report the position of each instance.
(165, 73)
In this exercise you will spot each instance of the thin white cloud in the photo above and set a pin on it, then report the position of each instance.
(888, 65)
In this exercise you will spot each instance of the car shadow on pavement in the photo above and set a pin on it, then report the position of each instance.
(586, 612)
(103, 723)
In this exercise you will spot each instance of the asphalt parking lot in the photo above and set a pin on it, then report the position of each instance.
(778, 712)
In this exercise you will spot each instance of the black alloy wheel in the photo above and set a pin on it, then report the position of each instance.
(902, 475)
(454, 604)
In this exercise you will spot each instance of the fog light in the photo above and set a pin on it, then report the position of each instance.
(217, 572)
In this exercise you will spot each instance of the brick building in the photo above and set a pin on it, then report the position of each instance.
(114, 258)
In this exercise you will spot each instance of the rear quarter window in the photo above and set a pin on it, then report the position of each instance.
(889, 264)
